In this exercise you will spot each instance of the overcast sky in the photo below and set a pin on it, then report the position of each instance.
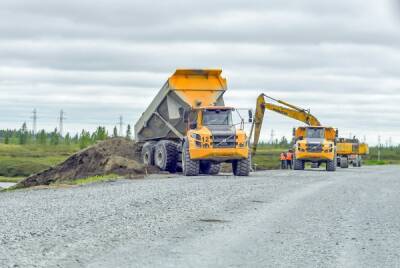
(101, 59)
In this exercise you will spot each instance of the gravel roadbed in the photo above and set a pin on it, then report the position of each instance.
(348, 218)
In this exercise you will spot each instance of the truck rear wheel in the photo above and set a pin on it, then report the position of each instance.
(189, 167)
(344, 162)
(148, 153)
(331, 165)
(241, 167)
(298, 164)
(207, 167)
(166, 156)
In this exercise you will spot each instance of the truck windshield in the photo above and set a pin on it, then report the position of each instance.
(315, 133)
(217, 117)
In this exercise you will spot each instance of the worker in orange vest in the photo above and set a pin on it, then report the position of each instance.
(289, 159)
(283, 160)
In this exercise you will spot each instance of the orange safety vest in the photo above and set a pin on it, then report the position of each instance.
(283, 156)
(289, 156)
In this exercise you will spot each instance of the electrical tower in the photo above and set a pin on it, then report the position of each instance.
(271, 141)
(121, 124)
(34, 123)
(61, 119)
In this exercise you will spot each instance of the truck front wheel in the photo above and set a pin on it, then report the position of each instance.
(344, 162)
(241, 167)
(331, 165)
(189, 167)
(166, 156)
(298, 164)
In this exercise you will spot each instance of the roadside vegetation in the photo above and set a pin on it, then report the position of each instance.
(23, 153)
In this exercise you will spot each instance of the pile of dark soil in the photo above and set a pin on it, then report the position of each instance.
(117, 156)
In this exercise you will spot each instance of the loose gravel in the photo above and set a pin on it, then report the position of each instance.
(348, 218)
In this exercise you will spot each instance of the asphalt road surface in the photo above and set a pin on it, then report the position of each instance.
(348, 218)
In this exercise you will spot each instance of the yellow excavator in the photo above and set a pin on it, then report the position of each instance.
(313, 143)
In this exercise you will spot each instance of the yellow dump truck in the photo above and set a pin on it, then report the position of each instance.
(350, 152)
(313, 143)
(187, 126)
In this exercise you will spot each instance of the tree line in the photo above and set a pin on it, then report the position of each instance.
(23, 136)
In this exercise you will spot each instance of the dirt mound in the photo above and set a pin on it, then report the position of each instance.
(116, 155)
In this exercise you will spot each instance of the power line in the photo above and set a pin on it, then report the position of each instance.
(61, 119)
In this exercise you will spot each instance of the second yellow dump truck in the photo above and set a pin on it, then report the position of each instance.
(350, 152)
(315, 144)
(187, 126)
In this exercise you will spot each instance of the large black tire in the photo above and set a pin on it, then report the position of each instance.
(241, 167)
(331, 165)
(206, 167)
(344, 162)
(166, 156)
(148, 153)
(298, 164)
(189, 167)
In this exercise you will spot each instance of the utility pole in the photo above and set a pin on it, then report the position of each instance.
(121, 124)
(34, 124)
(61, 123)
(379, 148)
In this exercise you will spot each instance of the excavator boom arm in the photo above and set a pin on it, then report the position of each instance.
(292, 112)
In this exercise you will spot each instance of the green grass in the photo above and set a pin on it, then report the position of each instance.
(268, 157)
(11, 179)
(24, 160)
(93, 179)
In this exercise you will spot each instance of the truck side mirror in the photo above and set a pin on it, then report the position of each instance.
(294, 132)
(193, 125)
(250, 116)
(337, 133)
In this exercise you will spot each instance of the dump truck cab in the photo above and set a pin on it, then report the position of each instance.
(212, 128)
(315, 144)
(188, 126)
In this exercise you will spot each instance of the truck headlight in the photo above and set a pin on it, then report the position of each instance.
(195, 136)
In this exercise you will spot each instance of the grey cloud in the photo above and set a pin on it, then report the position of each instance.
(99, 59)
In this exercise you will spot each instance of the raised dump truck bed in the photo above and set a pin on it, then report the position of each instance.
(188, 126)
(183, 91)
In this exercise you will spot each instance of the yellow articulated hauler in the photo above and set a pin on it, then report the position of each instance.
(188, 127)
(313, 143)
(350, 152)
